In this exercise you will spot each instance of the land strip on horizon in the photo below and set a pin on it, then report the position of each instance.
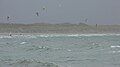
(64, 28)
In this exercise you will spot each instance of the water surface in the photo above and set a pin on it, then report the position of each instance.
(60, 50)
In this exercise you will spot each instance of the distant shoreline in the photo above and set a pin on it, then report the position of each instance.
(41, 28)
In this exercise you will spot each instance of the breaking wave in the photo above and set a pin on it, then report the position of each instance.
(54, 35)
(76, 35)
(26, 63)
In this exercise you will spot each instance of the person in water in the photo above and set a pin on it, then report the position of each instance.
(8, 18)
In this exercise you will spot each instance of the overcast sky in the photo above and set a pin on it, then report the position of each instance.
(59, 11)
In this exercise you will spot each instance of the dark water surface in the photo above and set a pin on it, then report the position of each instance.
(60, 51)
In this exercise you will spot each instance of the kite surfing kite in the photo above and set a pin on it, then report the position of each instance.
(37, 14)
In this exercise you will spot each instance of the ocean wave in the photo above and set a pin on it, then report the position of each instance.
(117, 46)
(18, 36)
(75, 35)
(3, 36)
(23, 42)
(54, 35)
(27, 63)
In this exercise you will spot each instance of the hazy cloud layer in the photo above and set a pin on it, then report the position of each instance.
(74, 11)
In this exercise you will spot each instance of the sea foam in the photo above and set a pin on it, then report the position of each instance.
(54, 35)
(76, 35)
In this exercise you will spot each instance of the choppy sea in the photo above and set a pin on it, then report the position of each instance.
(85, 50)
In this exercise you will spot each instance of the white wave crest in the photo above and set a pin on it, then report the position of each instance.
(3, 36)
(18, 36)
(23, 42)
(115, 46)
(76, 35)
(54, 35)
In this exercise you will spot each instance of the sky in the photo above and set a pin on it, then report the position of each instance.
(60, 11)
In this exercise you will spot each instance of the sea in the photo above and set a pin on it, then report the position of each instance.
(60, 50)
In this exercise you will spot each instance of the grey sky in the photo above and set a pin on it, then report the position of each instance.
(59, 11)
